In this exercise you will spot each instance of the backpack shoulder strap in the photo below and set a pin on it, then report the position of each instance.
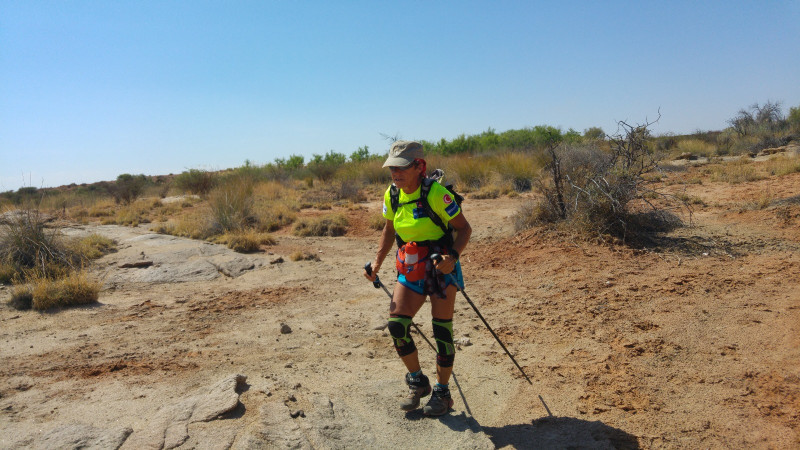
(394, 198)
(423, 194)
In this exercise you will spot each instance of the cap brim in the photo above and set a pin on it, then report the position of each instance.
(396, 161)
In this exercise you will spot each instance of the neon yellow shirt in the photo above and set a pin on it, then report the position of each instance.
(411, 221)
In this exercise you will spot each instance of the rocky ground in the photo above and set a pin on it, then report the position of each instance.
(691, 342)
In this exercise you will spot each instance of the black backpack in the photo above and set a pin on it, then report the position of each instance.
(438, 174)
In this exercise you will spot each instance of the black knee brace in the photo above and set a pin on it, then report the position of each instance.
(445, 350)
(398, 328)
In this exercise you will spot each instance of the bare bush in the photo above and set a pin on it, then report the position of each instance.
(605, 191)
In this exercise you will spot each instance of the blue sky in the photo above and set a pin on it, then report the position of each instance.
(93, 89)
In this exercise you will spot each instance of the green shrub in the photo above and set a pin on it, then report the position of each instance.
(128, 187)
(196, 181)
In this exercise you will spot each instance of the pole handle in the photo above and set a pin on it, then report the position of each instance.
(368, 269)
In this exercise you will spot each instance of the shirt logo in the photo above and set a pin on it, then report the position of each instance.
(447, 199)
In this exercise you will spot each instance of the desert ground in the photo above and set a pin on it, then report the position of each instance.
(692, 341)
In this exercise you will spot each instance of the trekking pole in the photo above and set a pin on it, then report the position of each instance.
(437, 257)
(378, 284)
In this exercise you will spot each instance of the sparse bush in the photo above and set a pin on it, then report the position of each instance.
(196, 181)
(333, 225)
(324, 167)
(28, 246)
(350, 192)
(471, 172)
(232, 206)
(519, 169)
(128, 188)
(602, 192)
(594, 133)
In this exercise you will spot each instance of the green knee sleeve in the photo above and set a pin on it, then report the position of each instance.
(398, 328)
(445, 350)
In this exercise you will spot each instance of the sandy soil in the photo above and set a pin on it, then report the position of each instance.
(692, 343)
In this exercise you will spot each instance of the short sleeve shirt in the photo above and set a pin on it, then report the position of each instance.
(411, 220)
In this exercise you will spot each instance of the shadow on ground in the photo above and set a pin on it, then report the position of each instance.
(561, 432)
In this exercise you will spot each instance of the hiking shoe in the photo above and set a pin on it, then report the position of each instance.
(418, 387)
(440, 402)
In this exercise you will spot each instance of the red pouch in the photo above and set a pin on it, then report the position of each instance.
(411, 261)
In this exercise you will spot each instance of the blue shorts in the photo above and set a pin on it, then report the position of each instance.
(419, 286)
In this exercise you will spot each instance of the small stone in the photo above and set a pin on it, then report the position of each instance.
(285, 329)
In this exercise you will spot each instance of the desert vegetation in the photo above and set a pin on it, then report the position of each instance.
(47, 269)
(592, 184)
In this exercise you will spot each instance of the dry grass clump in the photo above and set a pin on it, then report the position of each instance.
(470, 172)
(517, 169)
(275, 215)
(697, 147)
(304, 255)
(131, 215)
(377, 221)
(486, 192)
(782, 165)
(104, 208)
(735, 172)
(93, 246)
(245, 241)
(44, 293)
(232, 205)
(331, 225)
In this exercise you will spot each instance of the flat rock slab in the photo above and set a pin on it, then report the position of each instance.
(169, 427)
(146, 257)
(81, 436)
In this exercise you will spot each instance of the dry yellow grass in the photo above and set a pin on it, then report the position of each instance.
(245, 241)
(696, 147)
(76, 288)
(782, 165)
(735, 172)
